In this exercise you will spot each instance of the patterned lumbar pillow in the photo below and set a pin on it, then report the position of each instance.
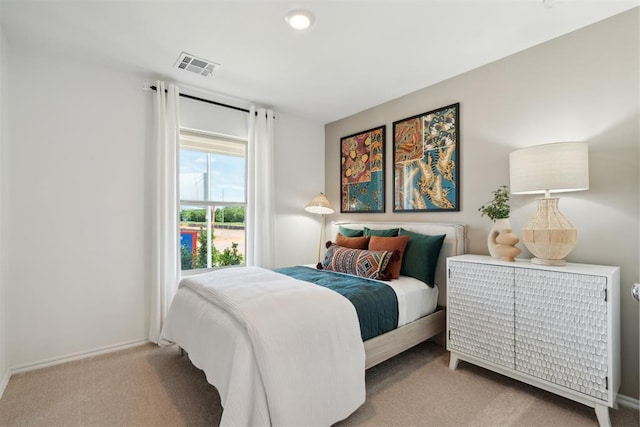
(359, 262)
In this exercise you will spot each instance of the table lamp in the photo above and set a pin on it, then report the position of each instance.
(544, 169)
(319, 205)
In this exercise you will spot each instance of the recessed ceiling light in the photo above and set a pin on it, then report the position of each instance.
(299, 19)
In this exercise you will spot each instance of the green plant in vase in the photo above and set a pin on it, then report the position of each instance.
(498, 208)
(501, 241)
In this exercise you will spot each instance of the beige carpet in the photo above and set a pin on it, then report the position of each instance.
(149, 386)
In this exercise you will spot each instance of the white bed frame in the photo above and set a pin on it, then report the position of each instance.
(385, 346)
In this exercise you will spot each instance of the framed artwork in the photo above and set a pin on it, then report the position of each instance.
(426, 161)
(362, 171)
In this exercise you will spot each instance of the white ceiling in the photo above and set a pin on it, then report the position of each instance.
(357, 54)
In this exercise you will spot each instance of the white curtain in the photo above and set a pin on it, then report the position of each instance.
(260, 211)
(165, 229)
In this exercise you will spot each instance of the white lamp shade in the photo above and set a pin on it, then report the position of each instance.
(319, 205)
(556, 168)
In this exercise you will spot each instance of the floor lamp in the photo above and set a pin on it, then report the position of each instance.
(545, 169)
(321, 206)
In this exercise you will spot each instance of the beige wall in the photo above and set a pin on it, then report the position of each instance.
(580, 87)
(68, 290)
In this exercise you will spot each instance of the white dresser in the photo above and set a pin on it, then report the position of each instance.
(557, 328)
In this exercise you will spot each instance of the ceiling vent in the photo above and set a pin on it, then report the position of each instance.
(196, 65)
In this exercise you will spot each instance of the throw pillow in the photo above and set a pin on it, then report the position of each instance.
(421, 256)
(359, 262)
(391, 232)
(352, 242)
(391, 244)
(349, 232)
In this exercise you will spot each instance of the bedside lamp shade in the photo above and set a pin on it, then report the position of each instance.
(319, 205)
(546, 169)
(555, 168)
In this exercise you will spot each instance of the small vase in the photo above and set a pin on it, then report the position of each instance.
(502, 241)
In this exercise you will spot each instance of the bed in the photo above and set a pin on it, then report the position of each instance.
(261, 348)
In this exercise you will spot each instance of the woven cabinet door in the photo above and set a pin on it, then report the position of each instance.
(480, 311)
(561, 329)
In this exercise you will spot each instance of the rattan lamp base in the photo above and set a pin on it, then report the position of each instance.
(549, 235)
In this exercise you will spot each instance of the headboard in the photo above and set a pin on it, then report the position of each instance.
(455, 242)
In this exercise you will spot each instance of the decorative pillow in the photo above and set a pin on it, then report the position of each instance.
(352, 242)
(391, 232)
(421, 256)
(391, 244)
(359, 262)
(349, 232)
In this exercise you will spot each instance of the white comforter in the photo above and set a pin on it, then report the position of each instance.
(280, 351)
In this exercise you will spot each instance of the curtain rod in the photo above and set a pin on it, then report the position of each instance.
(208, 101)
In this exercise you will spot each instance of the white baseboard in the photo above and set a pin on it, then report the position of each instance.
(628, 402)
(76, 356)
(4, 381)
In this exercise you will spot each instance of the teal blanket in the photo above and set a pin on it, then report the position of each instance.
(375, 302)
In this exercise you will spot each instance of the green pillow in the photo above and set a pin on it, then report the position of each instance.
(421, 256)
(391, 232)
(349, 232)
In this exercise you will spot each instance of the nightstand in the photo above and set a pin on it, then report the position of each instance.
(557, 328)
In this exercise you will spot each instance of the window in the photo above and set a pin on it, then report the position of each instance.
(212, 200)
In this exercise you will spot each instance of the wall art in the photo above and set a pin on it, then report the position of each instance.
(362, 171)
(426, 161)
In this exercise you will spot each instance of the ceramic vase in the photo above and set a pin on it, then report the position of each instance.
(502, 241)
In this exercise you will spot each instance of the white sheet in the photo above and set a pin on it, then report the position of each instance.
(311, 375)
(415, 298)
